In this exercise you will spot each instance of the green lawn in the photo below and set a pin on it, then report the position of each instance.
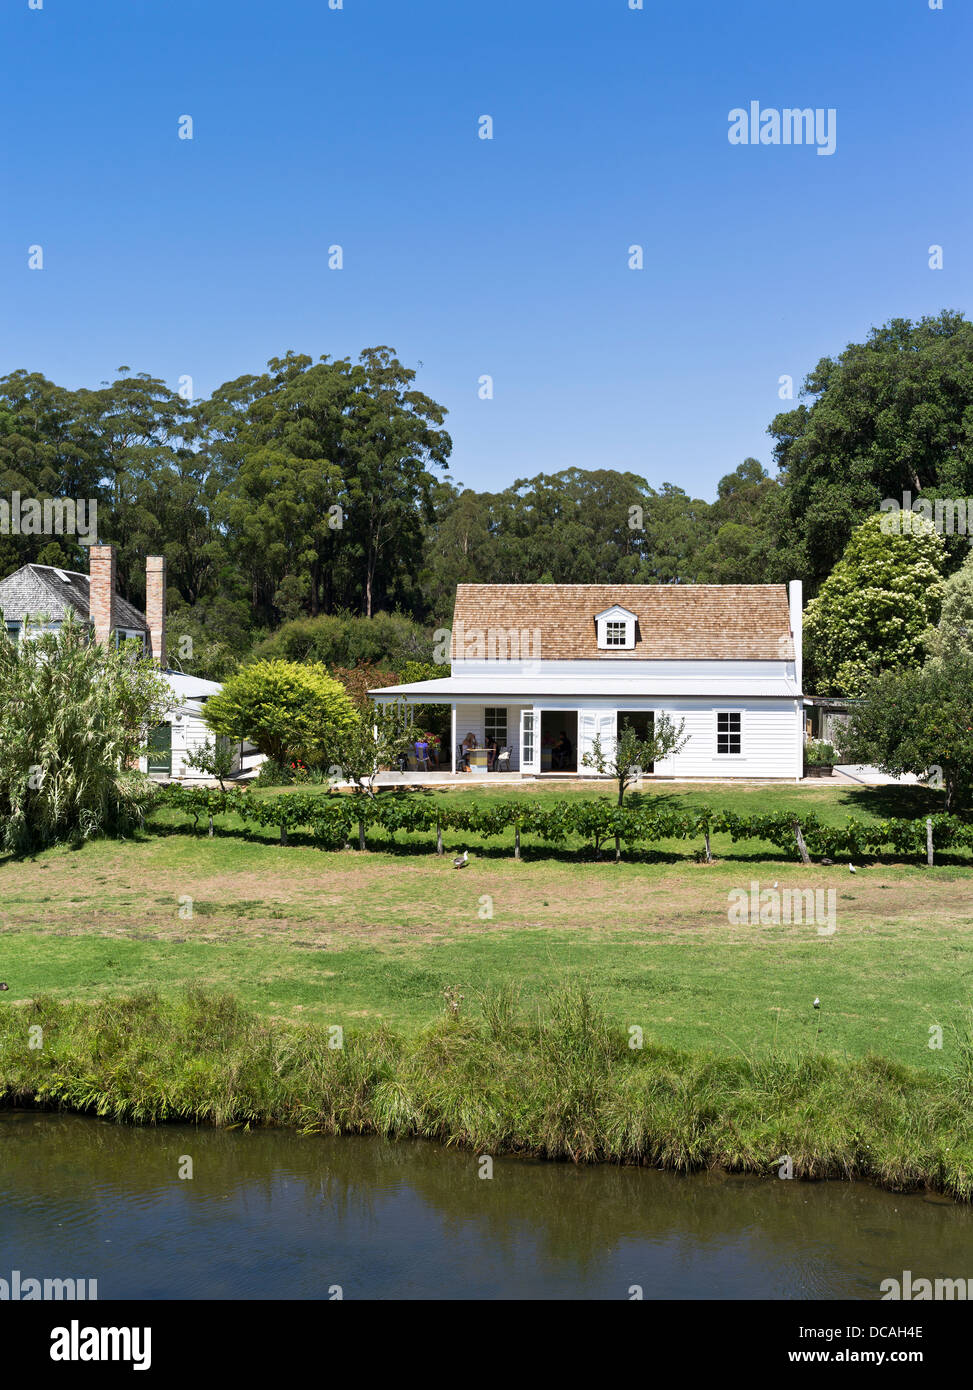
(736, 1069)
(341, 937)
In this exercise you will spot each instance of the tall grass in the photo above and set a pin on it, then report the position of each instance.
(560, 1084)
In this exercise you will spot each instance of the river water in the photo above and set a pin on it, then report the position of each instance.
(273, 1215)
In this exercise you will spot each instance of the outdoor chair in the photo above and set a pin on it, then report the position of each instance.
(502, 762)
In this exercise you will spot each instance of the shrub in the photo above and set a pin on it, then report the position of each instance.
(73, 717)
(283, 707)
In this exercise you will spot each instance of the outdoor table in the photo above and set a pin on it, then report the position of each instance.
(479, 760)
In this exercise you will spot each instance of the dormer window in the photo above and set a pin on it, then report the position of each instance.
(616, 629)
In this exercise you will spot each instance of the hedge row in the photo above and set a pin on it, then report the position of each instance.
(333, 820)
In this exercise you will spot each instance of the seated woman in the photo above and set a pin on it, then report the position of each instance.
(561, 753)
(468, 743)
(493, 748)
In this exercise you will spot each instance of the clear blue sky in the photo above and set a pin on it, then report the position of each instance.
(507, 257)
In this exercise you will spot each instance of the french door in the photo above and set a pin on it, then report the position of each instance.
(528, 740)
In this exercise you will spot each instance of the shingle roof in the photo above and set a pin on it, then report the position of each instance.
(73, 590)
(676, 622)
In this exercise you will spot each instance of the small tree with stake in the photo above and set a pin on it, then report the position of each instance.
(630, 754)
(358, 752)
(214, 758)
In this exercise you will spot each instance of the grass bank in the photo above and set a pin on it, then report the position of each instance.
(562, 1083)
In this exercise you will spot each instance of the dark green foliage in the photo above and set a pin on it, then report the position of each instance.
(388, 640)
(917, 721)
(887, 416)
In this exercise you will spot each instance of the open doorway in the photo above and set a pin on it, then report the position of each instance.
(642, 721)
(559, 740)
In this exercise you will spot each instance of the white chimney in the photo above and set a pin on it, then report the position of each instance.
(795, 594)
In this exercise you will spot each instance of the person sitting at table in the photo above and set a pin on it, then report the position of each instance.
(468, 743)
(561, 752)
(493, 748)
(422, 755)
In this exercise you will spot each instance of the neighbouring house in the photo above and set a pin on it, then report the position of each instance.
(39, 597)
(545, 667)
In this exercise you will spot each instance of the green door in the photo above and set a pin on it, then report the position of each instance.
(160, 750)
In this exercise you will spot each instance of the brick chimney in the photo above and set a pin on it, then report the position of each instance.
(155, 607)
(101, 591)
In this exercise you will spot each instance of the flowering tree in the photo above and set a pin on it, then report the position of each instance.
(875, 606)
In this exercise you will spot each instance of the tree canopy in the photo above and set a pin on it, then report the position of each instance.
(888, 416)
(316, 490)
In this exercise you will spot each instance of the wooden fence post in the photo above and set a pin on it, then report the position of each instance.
(283, 834)
(929, 851)
(517, 839)
(439, 835)
(709, 855)
(800, 843)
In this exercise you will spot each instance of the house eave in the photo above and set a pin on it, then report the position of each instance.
(525, 689)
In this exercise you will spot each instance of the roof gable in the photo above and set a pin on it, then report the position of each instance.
(676, 622)
(616, 611)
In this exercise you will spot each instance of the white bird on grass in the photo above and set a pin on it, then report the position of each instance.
(852, 869)
(817, 1003)
(461, 860)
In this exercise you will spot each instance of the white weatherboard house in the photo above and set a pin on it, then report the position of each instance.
(39, 597)
(533, 662)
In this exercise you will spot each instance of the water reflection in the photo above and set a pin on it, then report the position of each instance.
(274, 1215)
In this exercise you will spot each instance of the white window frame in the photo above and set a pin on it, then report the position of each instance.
(496, 709)
(608, 624)
(729, 732)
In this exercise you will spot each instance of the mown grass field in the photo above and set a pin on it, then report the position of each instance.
(301, 933)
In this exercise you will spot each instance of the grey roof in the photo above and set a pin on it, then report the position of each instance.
(36, 589)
